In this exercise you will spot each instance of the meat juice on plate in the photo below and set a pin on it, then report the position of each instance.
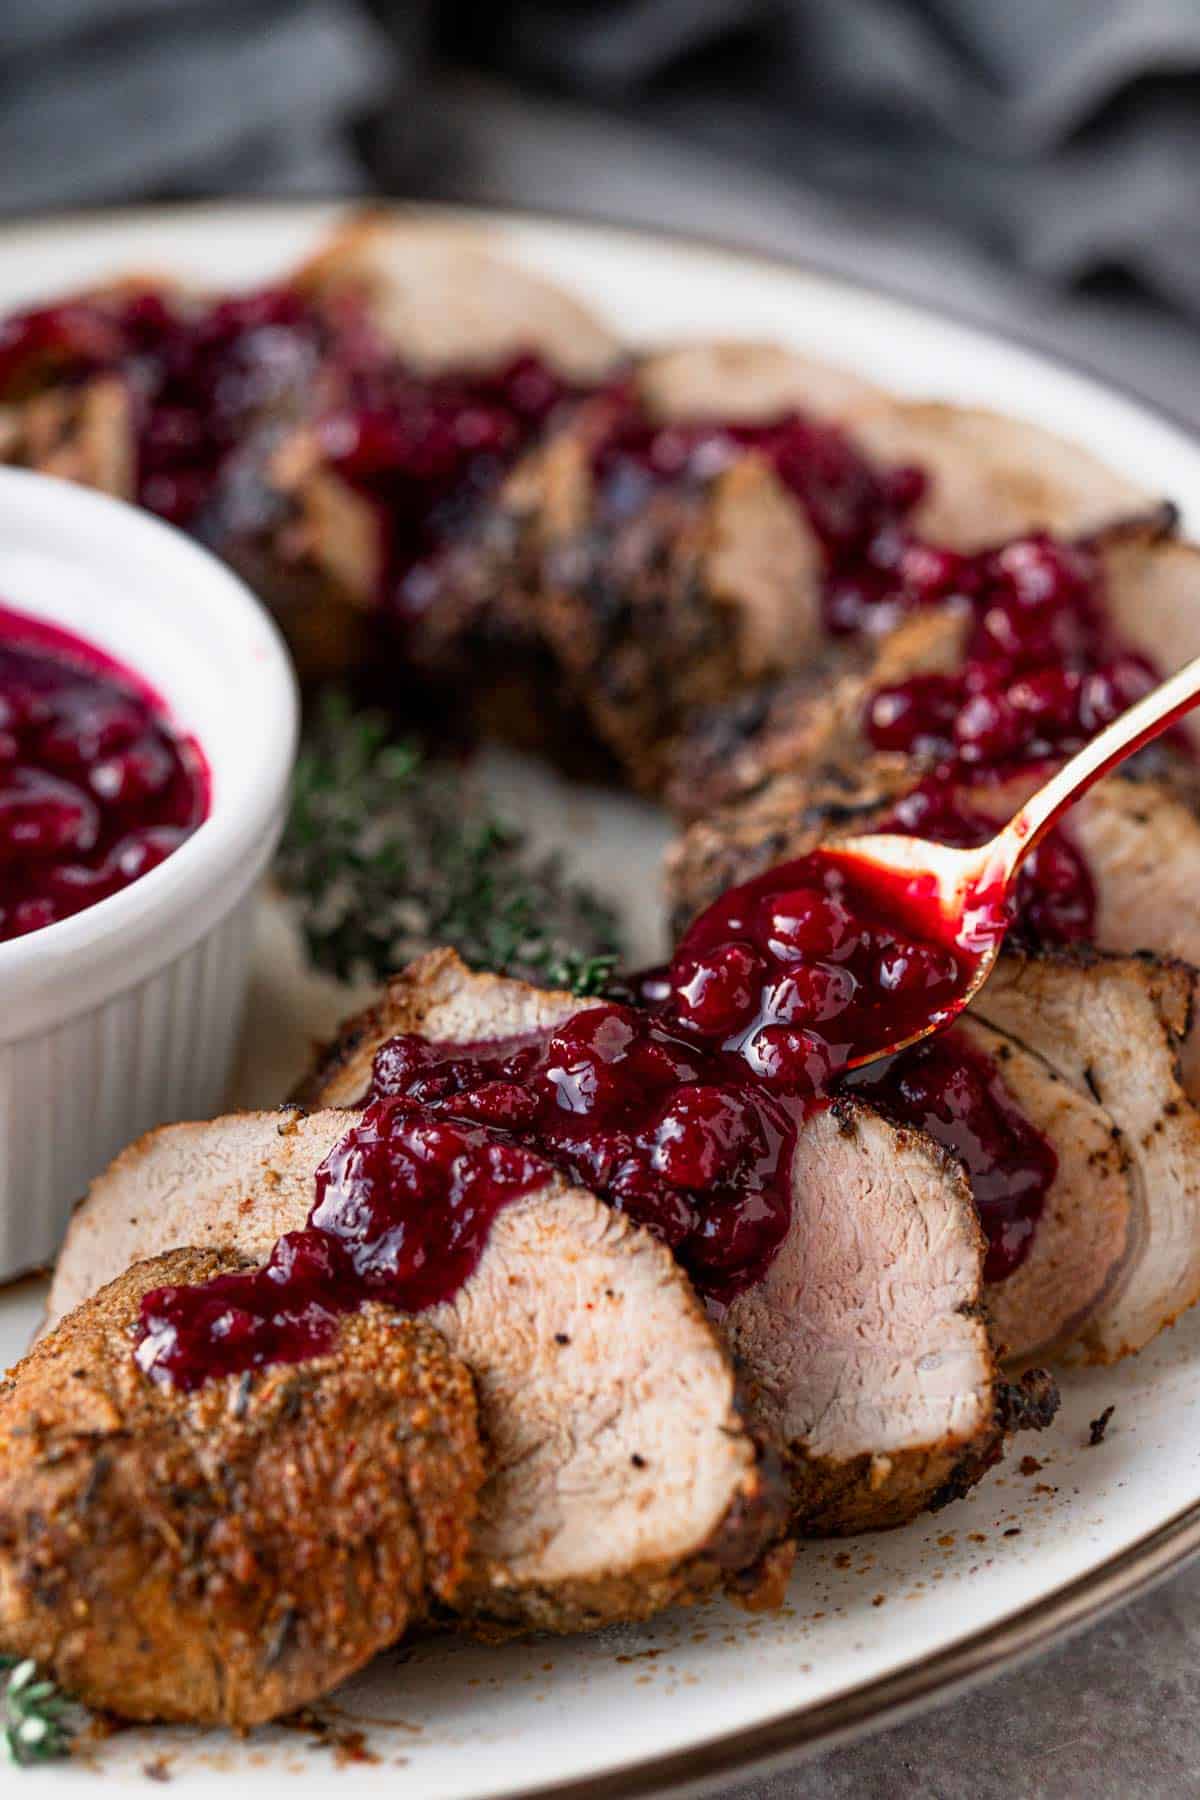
(96, 785)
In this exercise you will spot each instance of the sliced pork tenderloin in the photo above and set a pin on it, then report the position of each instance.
(815, 716)
(882, 1406)
(798, 722)
(865, 1344)
(452, 296)
(1140, 837)
(1086, 1232)
(711, 585)
(622, 1474)
(991, 476)
(1110, 1027)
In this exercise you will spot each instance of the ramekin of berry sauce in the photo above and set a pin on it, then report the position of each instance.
(147, 727)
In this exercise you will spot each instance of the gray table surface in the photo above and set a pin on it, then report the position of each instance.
(1115, 1713)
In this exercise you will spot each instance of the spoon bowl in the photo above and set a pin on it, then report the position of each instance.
(963, 899)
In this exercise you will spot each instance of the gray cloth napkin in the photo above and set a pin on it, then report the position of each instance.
(1059, 135)
(1062, 134)
(111, 100)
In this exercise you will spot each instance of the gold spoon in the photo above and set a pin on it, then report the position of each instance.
(963, 898)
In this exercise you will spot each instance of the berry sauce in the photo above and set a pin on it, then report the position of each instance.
(202, 377)
(684, 1118)
(427, 451)
(403, 1207)
(206, 379)
(1041, 674)
(1040, 678)
(96, 788)
(855, 507)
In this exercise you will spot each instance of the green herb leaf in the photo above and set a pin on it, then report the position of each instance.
(386, 854)
(37, 1721)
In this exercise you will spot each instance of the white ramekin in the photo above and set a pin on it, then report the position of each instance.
(126, 1015)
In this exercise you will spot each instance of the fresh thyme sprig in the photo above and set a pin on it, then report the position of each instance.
(386, 854)
(36, 1718)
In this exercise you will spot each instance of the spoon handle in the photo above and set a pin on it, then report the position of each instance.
(1145, 720)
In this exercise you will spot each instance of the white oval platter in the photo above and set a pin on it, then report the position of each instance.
(873, 1626)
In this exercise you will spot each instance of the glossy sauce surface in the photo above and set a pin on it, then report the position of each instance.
(427, 451)
(96, 787)
(403, 1207)
(684, 1118)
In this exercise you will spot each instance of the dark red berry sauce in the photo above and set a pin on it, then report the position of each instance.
(404, 1203)
(213, 384)
(427, 451)
(96, 788)
(673, 1131)
(683, 1116)
(1055, 901)
(204, 380)
(855, 506)
(805, 969)
(957, 1094)
(1040, 678)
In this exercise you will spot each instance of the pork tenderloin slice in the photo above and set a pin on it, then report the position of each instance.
(1152, 594)
(449, 296)
(743, 379)
(993, 477)
(814, 714)
(1086, 1233)
(869, 1198)
(83, 432)
(865, 1343)
(808, 717)
(435, 997)
(622, 1474)
(1111, 1027)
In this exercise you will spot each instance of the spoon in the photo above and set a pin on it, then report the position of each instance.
(964, 898)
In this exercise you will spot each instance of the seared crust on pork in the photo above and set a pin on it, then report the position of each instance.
(813, 716)
(622, 1475)
(226, 1555)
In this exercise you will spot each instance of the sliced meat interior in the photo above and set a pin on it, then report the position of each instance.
(227, 1555)
(621, 1472)
(991, 476)
(442, 295)
(1110, 1027)
(1089, 1222)
(881, 1407)
(1140, 838)
(865, 1344)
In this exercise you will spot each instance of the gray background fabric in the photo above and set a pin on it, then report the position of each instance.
(1033, 163)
